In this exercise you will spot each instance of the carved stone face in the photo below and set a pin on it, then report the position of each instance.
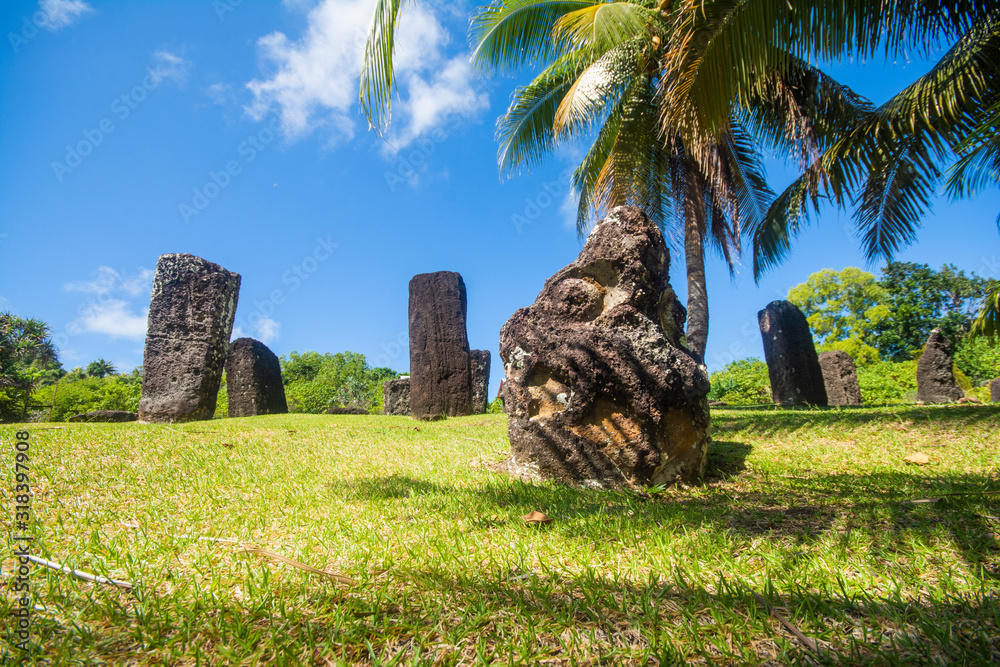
(600, 390)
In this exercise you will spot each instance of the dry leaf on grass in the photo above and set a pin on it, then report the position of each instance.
(535, 517)
(918, 458)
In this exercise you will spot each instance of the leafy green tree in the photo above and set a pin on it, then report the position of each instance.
(842, 307)
(27, 357)
(920, 299)
(314, 382)
(101, 368)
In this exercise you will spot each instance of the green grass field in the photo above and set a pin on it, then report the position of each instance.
(804, 525)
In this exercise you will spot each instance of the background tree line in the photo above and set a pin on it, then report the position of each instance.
(883, 323)
(34, 385)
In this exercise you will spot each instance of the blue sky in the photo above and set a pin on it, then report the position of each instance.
(230, 129)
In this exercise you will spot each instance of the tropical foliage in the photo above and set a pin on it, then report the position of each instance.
(27, 357)
(316, 382)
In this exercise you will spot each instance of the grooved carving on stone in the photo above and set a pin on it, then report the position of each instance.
(598, 387)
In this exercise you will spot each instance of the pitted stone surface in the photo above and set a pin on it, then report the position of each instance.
(599, 389)
(187, 336)
(840, 376)
(995, 390)
(479, 367)
(935, 375)
(396, 397)
(253, 380)
(440, 380)
(792, 363)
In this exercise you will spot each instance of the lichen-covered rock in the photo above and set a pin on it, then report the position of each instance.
(792, 363)
(935, 375)
(396, 397)
(479, 368)
(840, 376)
(440, 382)
(599, 390)
(253, 380)
(105, 416)
(187, 336)
(995, 390)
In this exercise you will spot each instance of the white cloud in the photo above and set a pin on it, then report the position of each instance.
(108, 281)
(61, 13)
(267, 330)
(112, 317)
(169, 67)
(220, 93)
(313, 81)
(263, 328)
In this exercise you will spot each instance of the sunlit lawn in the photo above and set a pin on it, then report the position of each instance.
(804, 517)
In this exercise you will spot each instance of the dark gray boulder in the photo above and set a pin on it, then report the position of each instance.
(792, 363)
(935, 375)
(840, 377)
(253, 380)
(995, 390)
(105, 416)
(396, 397)
(479, 368)
(599, 389)
(187, 336)
(440, 381)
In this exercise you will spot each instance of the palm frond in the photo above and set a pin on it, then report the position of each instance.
(987, 322)
(377, 73)
(512, 34)
(604, 25)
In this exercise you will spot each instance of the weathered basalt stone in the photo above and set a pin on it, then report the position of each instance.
(840, 377)
(396, 396)
(346, 410)
(792, 363)
(599, 389)
(440, 382)
(187, 336)
(995, 390)
(935, 375)
(105, 416)
(479, 368)
(253, 380)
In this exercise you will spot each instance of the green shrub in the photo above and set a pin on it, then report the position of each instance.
(74, 395)
(495, 407)
(741, 382)
(978, 359)
(888, 382)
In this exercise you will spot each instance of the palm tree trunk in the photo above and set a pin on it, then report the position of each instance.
(694, 258)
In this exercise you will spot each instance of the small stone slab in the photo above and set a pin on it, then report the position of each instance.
(935, 371)
(479, 368)
(995, 390)
(396, 397)
(253, 380)
(840, 377)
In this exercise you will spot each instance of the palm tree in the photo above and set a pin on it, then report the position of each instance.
(609, 72)
(887, 159)
(25, 351)
(101, 368)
